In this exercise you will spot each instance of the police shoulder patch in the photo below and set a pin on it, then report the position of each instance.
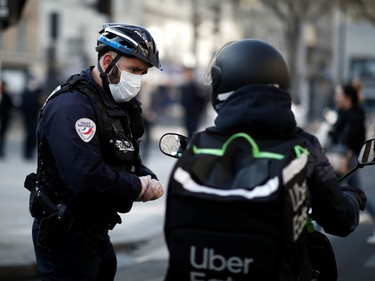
(86, 129)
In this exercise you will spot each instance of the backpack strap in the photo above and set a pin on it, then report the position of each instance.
(255, 148)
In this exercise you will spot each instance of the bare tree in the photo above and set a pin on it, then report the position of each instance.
(294, 15)
(364, 9)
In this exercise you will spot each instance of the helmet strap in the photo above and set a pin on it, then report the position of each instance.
(104, 74)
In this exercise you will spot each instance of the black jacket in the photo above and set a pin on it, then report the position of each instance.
(349, 128)
(196, 224)
(265, 111)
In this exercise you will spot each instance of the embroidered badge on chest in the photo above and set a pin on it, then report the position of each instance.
(86, 129)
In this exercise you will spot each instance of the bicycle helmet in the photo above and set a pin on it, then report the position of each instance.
(128, 40)
(245, 62)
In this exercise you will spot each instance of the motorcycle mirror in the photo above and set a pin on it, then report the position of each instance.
(173, 145)
(366, 155)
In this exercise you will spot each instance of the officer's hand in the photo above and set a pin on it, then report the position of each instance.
(144, 182)
(158, 188)
(154, 190)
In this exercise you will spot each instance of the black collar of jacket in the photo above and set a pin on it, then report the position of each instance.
(257, 110)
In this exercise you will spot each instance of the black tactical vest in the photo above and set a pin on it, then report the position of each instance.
(119, 131)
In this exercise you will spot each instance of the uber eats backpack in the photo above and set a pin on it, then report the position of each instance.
(237, 210)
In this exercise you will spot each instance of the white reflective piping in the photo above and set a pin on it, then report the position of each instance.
(108, 29)
(58, 88)
(294, 168)
(224, 96)
(189, 184)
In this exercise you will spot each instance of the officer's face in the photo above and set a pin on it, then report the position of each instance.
(132, 65)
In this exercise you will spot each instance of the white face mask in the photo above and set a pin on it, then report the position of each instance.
(127, 88)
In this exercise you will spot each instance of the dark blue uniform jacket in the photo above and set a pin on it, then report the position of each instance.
(80, 164)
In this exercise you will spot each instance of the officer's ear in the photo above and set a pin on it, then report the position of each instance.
(106, 60)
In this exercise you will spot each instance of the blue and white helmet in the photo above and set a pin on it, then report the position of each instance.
(128, 40)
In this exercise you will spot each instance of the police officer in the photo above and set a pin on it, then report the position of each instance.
(89, 168)
(250, 92)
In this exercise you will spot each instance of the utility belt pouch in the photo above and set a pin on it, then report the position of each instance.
(115, 220)
(35, 209)
(51, 229)
(39, 203)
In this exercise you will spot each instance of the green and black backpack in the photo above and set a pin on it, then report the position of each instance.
(237, 209)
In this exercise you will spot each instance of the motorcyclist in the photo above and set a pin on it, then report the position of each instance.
(250, 83)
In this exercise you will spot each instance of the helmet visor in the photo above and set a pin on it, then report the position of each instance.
(208, 74)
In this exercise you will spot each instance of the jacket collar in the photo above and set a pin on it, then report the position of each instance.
(258, 110)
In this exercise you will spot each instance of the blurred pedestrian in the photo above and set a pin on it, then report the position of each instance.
(32, 100)
(89, 165)
(6, 108)
(349, 132)
(150, 112)
(193, 101)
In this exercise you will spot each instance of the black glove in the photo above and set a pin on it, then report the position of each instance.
(361, 196)
(362, 200)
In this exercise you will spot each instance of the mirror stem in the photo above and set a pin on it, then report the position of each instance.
(350, 172)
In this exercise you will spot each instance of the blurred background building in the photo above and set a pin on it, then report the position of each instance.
(325, 42)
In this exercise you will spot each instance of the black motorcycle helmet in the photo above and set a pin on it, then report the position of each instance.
(245, 62)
